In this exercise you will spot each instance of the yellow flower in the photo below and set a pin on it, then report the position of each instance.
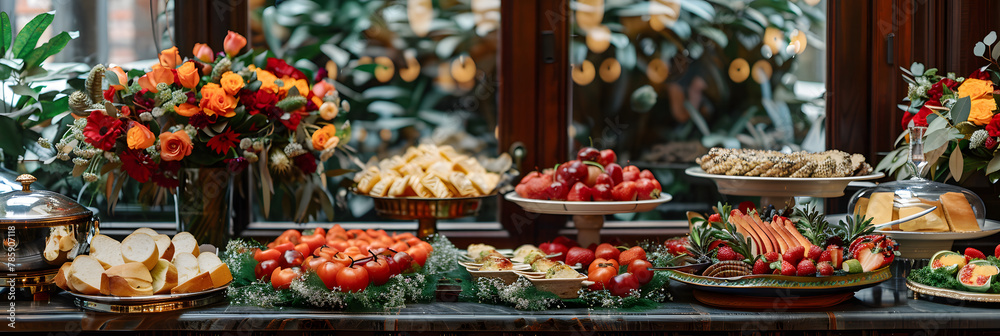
(981, 93)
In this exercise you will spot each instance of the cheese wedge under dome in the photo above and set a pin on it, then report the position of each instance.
(959, 212)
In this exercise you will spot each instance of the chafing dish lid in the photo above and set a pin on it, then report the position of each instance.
(26, 204)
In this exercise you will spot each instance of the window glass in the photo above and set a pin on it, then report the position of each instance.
(434, 77)
(662, 81)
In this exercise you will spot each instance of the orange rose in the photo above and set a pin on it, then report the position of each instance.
(122, 77)
(187, 110)
(980, 92)
(267, 79)
(158, 75)
(214, 100)
(169, 58)
(323, 137)
(188, 76)
(328, 110)
(139, 137)
(322, 88)
(234, 43)
(231, 82)
(203, 53)
(175, 146)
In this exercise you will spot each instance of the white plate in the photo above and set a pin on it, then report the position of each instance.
(585, 208)
(780, 186)
(990, 227)
(144, 299)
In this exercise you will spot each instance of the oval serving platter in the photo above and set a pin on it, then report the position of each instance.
(783, 286)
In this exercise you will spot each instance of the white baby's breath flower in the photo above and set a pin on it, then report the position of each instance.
(90, 177)
(44, 143)
(157, 112)
(251, 156)
(146, 116)
(79, 161)
(245, 143)
(80, 123)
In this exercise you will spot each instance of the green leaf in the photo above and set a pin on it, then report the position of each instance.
(935, 124)
(11, 141)
(24, 90)
(369, 68)
(52, 47)
(966, 128)
(956, 164)
(27, 38)
(888, 160)
(939, 138)
(960, 112)
(5, 33)
(900, 138)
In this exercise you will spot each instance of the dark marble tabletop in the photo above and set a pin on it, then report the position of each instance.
(888, 307)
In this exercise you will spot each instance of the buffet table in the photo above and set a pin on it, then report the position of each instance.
(888, 307)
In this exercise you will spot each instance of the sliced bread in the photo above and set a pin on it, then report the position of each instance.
(197, 283)
(60, 279)
(165, 246)
(164, 277)
(106, 250)
(187, 266)
(147, 230)
(141, 248)
(209, 262)
(128, 279)
(186, 243)
(85, 275)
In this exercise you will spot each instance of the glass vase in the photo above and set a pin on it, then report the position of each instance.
(917, 160)
(204, 202)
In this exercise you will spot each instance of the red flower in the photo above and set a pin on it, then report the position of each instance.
(138, 164)
(258, 102)
(292, 121)
(201, 120)
(281, 69)
(166, 182)
(102, 131)
(320, 74)
(306, 163)
(936, 90)
(920, 119)
(142, 103)
(222, 142)
(126, 111)
(994, 126)
(237, 165)
(109, 94)
(907, 116)
(980, 74)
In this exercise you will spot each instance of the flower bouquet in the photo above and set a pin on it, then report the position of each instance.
(953, 118)
(226, 111)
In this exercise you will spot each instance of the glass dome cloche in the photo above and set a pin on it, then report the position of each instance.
(957, 209)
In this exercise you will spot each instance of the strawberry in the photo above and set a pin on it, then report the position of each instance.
(606, 251)
(646, 189)
(996, 251)
(825, 256)
(717, 218)
(805, 268)
(761, 267)
(565, 241)
(787, 268)
(630, 255)
(625, 191)
(794, 255)
(580, 192)
(836, 255)
(971, 253)
(554, 248)
(815, 252)
(579, 255)
(534, 186)
(746, 206)
(772, 256)
(825, 269)
(727, 253)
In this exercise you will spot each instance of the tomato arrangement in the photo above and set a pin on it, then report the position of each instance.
(604, 271)
(345, 259)
(593, 176)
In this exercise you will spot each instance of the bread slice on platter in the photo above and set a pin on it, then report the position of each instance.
(164, 277)
(198, 283)
(141, 248)
(106, 250)
(60, 279)
(165, 246)
(128, 279)
(209, 262)
(185, 243)
(85, 275)
(187, 266)
(147, 230)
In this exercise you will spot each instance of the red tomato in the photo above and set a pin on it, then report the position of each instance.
(268, 254)
(284, 247)
(325, 252)
(405, 262)
(362, 245)
(282, 277)
(640, 268)
(319, 232)
(601, 278)
(623, 283)
(314, 241)
(427, 246)
(402, 236)
(352, 279)
(352, 250)
(413, 241)
(312, 262)
(378, 271)
(419, 255)
(328, 273)
(399, 247)
(601, 262)
(264, 268)
(341, 258)
(393, 265)
(303, 249)
(340, 245)
(291, 258)
(371, 233)
(292, 235)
